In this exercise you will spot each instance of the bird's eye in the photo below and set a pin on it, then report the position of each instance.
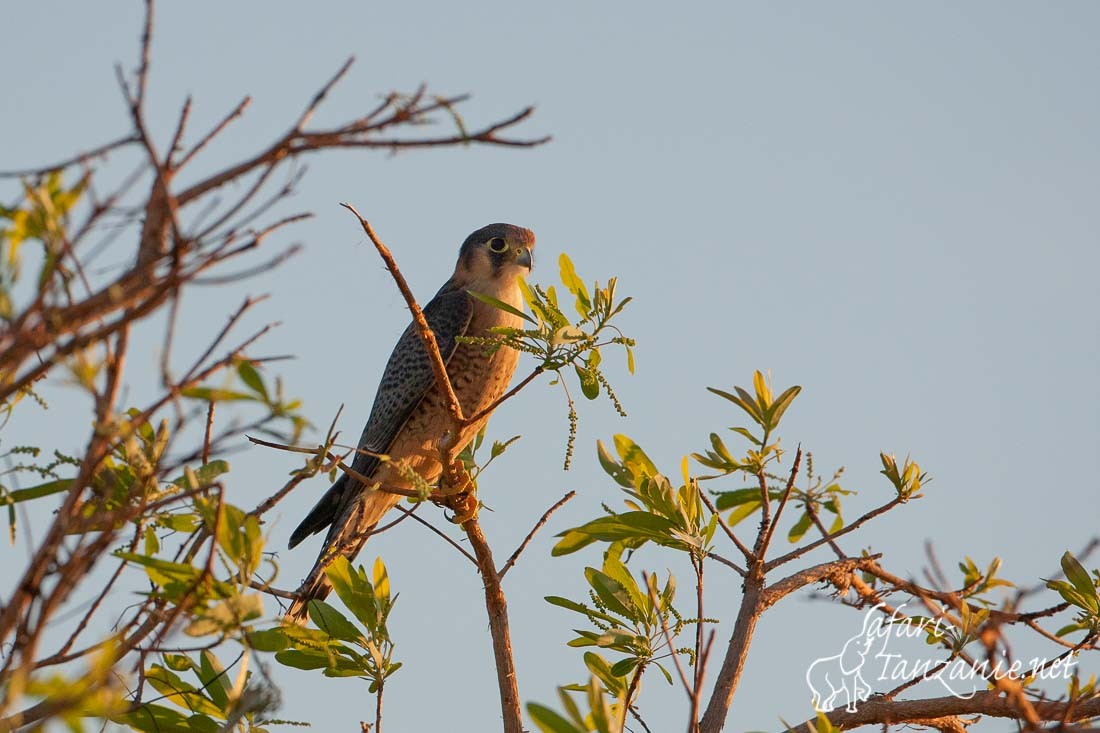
(497, 244)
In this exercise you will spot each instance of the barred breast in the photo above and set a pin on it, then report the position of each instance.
(478, 380)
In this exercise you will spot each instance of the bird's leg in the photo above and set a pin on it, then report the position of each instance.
(460, 492)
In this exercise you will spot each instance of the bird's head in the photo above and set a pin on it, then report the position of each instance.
(495, 255)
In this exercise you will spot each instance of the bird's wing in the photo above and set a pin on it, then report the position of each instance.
(409, 374)
(407, 378)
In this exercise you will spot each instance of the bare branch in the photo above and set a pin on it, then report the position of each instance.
(762, 547)
(530, 535)
(442, 381)
(497, 607)
(433, 528)
(733, 664)
(726, 528)
(215, 131)
(477, 417)
(97, 152)
(879, 711)
(319, 97)
(800, 551)
(835, 572)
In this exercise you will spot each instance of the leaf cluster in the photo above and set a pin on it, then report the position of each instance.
(337, 646)
(558, 341)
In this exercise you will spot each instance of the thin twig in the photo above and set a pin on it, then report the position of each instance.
(504, 397)
(433, 528)
(763, 545)
(726, 528)
(800, 551)
(215, 131)
(530, 535)
(75, 160)
(177, 138)
(206, 434)
(442, 381)
(319, 97)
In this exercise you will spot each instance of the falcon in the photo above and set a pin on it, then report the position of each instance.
(411, 414)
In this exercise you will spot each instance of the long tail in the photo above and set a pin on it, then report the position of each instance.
(322, 514)
(352, 514)
(316, 586)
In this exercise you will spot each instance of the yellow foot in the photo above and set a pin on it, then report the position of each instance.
(464, 506)
(456, 479)
(459, 492)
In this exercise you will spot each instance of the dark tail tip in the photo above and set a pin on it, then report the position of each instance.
(321, 515)
(297, 536)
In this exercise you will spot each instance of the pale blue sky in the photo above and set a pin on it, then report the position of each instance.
(892, 205)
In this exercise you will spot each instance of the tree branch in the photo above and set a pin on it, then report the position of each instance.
(880, 711)
(497, 607)
(530, 535)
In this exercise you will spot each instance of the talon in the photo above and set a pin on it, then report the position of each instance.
(464, 505)
(456, 479)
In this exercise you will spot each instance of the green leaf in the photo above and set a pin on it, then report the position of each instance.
(602, 670)
(499, 447)
(216, 394)
(775, 412)
(763, 392)
(36, 492)
(729, 499)
(620, 473)
(268, 640)
(580, 608)
(152, 544)
(205, 474)
(571, 708)
(1069, 629)
(155, 719)
(571, 542)
(357, 593)
(748, 406)
(633, 457)
(550, 722)
(501, 305)
(203, 724)
(611, 593)
(614, 568)
(624, 667)
(800, 527)
(668, 675)
(382, 577)
(178, 692)
(252, 378)
(575, 285)
(628, 525)
(597, 703)
(743, 511)
(162, 572)
(590, 386)
(747, 434)
(214, 679)
(240, 538)
(228, 614)
(178, 662)
(188, 522)
(303, 659)
(1077, 575)
(334, 623)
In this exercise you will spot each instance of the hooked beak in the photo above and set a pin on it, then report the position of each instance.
(524, 257)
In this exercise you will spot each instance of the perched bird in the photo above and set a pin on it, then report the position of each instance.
(411, 414)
